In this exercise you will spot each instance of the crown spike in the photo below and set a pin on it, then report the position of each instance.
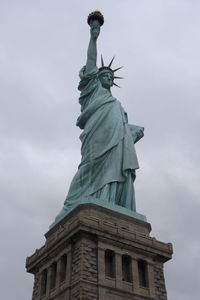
(116, 84)
(110, 64)
(117, 69)
(102, 62)
(117, 77)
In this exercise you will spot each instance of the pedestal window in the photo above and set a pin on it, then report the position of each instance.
(53, 275)
(143, 275)
(63, 268)
(43, 282)
(110, 263)
(126, 268)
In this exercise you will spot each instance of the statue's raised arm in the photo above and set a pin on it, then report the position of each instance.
(92, 47)
(95, 21)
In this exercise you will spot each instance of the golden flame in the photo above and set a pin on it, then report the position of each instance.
(98, 10)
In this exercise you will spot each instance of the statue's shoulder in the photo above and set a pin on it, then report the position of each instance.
(88, 80)
(85, 74)
(119, 104)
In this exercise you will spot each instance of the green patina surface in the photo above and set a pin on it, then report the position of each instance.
(106, 173)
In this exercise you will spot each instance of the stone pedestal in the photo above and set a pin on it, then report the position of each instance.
(96, 253)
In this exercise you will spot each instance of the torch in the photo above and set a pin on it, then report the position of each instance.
(96, 15)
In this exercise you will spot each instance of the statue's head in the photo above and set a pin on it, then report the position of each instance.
(106, 75)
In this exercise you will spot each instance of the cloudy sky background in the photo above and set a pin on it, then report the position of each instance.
(43, 44)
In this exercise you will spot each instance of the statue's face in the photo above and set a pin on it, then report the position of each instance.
(106, 79)
(95, 28)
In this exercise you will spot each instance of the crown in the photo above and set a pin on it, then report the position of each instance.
(108, 68)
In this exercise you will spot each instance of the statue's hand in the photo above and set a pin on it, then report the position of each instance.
(94, 29)
(140, 133)
(137, 132)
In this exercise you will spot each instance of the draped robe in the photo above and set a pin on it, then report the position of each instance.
(109, 161)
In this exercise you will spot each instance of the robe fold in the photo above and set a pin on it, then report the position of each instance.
(109, 161)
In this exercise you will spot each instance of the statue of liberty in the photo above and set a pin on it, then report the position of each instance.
(109, 161)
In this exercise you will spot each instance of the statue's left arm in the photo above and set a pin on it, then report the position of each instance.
(137, 132)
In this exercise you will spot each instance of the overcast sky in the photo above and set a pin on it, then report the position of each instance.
(43, 45)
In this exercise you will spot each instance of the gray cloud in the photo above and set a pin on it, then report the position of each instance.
(43, 45)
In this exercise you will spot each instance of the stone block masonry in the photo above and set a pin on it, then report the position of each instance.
(95, 253)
